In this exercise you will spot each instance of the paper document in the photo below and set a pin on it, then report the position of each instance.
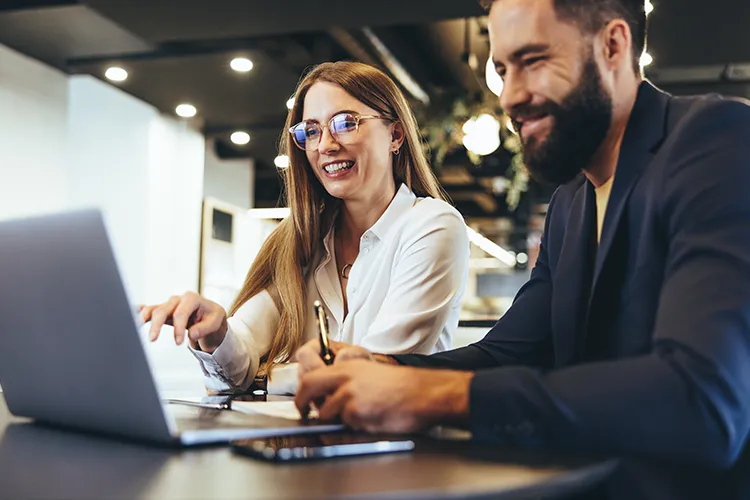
(281, 409)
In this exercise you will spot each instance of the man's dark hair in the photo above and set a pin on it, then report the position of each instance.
(592, 15)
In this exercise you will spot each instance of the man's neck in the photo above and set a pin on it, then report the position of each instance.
(604, 162)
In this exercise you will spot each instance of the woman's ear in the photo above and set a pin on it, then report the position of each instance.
(397, 136)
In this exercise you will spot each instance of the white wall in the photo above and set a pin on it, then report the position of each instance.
(33, 146)
(108, 137)
(176, 171)
(231, 181)
(145, 171)
(78, 142)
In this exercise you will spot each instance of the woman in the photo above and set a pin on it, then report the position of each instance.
(369, 235)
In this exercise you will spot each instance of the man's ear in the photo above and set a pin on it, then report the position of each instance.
(618, 44)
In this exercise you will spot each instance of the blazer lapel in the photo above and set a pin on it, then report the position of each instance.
(574, 269)
(644, 133)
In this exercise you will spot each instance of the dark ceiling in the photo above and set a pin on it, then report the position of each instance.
(179, 51)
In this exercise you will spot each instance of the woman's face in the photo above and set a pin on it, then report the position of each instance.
(355, 162)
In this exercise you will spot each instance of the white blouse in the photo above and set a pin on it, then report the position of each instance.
(404, 294)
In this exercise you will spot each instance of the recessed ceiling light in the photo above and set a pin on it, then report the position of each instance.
(241, 64)
(116, 74)
(186, 110)
(281, 161)
(290, 103)
(240, 138)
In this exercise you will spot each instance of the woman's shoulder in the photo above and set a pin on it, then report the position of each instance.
(262, 303)
(425, 210)
(430, 215)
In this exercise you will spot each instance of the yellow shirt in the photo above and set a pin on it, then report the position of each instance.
(602, 198)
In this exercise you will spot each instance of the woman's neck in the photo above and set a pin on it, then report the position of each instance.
(357, 216)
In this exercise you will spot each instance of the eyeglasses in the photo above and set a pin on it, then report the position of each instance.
(343, 128)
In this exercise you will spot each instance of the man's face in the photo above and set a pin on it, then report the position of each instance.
(553, 88)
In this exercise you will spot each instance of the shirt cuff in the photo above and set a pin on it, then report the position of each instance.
(227, 368)
(284, 379)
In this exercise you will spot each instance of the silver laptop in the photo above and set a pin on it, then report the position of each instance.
(70, 352)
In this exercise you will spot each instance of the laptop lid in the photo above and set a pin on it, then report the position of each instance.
(71, 354)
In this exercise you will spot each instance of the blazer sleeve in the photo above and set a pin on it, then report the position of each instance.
(523, 336)
(689, 398)
(233, 365)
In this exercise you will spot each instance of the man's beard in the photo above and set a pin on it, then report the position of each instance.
(579, 125)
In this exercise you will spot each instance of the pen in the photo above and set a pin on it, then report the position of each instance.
(325, 349)
(225, 404)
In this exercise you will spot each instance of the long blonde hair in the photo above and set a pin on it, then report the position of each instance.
(287, 254)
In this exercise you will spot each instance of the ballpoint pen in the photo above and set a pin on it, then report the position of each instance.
(325, 349)
(210, 402)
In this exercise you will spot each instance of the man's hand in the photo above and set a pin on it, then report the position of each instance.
(378, 398)
(308, 356)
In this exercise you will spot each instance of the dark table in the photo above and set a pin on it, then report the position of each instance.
(40, 462)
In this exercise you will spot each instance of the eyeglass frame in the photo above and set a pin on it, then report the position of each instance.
(357, 118)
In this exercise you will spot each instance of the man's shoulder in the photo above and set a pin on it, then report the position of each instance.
(686, 113)
(565, 193)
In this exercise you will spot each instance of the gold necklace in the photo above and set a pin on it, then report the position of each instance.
(344, 271)
(339, 253)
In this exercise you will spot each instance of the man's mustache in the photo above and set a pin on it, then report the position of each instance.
(525, 112)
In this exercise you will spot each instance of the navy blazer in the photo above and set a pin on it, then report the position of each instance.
(640, 346)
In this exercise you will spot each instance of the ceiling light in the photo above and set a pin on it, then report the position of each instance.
(649, 7)
(186, 110)
(646, 59)
(241, 64)
(494, 82)
(116, 74)
(290, 103)
(522, 258)
(240, 138)
(281, 161)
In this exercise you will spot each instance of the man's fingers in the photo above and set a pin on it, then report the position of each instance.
(317, 385)
(337, 347)
(351, 352)
(334, 404)
(309, 359)
(351, 417)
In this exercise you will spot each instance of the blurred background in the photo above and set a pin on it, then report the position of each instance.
(167, 115)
